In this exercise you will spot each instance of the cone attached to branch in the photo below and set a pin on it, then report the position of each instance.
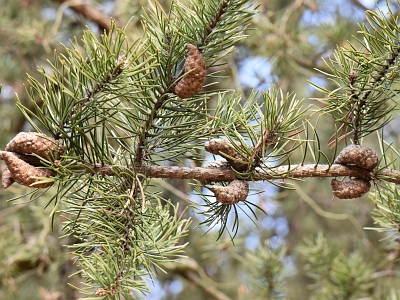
(354, 188)
(36, 143)
(224, 148)
(23, 173)
(358, 155)
(195, 74)
(236, 191)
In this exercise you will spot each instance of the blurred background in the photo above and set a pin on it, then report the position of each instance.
(307, 246)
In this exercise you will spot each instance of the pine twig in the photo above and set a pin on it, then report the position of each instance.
(226, 174)
(88, 11)
(214, 293)
(334, 216)
(187, 268)
(283, 172)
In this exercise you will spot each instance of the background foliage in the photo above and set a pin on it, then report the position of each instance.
(305, 247)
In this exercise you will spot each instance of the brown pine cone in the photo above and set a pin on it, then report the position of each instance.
(224, 146)
(354, 188)
(6, 178)
(195, 74)
(236, 191)
(36, 143)
(358, 155)
(23, 172)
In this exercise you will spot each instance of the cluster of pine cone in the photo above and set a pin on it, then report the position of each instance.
(237, 190)
(361, 156)
(29, 143)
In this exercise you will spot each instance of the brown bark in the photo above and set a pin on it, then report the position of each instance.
(283, 172)
(91, 13)
(226, 174)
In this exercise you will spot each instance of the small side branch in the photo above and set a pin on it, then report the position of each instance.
(210, 290)
(191, 271)
(89, 12)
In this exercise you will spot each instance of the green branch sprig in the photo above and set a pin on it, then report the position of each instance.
(362, 99)
(111, 103)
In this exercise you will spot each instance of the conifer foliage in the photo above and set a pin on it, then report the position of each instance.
(127, 105)
(114, 111)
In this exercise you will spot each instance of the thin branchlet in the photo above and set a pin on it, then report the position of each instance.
(112, 74)
(217, 18)
(140, 153)
(267, 139)
(106, 79)
(102, 194)
(111, 290)
(360, 100)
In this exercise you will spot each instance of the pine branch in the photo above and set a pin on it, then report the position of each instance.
(215, 20)
(140, 154)
(123, 115)
(226, 174)
(115, 108)
(104, 81)
(212, 292)
(360, 99)
(186, 268)
(283, 172)
(88, 11)
(363, 98)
